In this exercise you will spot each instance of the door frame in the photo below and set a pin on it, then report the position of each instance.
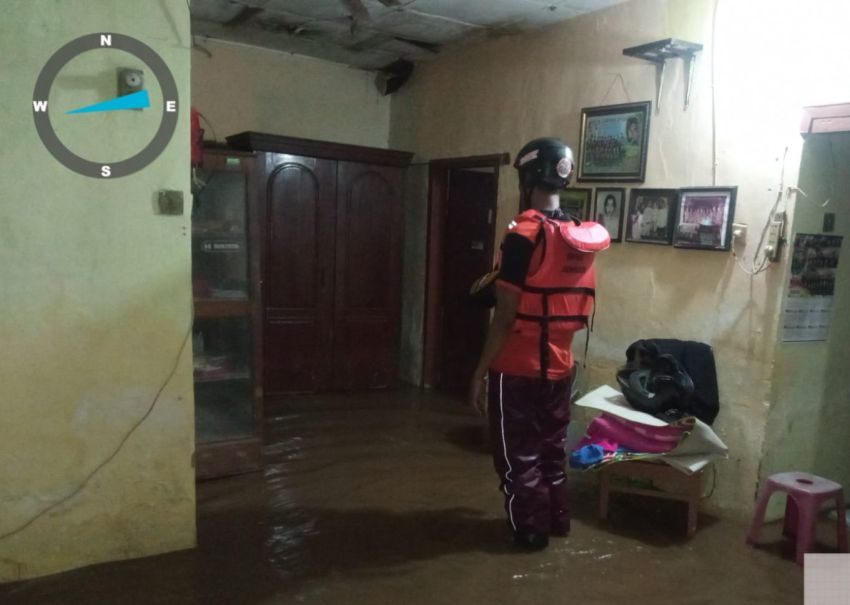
(438, 175)
(823, 119)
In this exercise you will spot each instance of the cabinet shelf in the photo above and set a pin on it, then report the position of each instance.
(237, 375)
(211, 308)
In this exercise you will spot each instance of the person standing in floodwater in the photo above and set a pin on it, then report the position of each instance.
(544, 294)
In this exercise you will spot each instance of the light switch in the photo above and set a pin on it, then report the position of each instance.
(828, 222)
(170, 202)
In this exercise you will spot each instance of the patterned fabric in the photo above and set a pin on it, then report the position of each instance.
(611, 438)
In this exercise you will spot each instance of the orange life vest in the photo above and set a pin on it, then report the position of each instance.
(558, 296)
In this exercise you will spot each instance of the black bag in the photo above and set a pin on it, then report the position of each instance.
(671, 379)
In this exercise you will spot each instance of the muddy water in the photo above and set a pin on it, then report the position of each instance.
(391, 498)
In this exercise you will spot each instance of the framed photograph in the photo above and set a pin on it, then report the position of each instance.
(651, 216)
(609, 208)
(705, 218)
(575, 201)
(613, 142)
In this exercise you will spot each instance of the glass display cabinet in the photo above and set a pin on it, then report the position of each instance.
(225, 338)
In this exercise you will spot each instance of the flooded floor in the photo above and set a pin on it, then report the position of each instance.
(391, 498)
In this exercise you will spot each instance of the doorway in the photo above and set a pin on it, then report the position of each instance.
(463, 195)
(819, 266)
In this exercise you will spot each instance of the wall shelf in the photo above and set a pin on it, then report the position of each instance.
(658, 52)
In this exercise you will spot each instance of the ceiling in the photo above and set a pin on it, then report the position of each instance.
(371, 34)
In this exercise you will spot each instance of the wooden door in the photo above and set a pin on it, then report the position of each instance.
(467, 255)
(368, 276)
(299, 273)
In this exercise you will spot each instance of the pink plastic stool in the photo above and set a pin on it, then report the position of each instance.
(806, 494)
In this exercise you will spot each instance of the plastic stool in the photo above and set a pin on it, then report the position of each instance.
(806, 494)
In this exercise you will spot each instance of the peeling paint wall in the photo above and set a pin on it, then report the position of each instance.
(770, 59)
(243, 88)
(96, 298)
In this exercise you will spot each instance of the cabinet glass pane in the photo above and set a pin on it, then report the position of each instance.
(223, 398)
(222, 330)
(219, 238)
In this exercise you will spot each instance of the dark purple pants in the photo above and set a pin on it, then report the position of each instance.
(528, 425)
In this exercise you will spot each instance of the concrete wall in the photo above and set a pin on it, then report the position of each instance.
(494, 95)
(96, 299)
(244, 88)
(809, 426)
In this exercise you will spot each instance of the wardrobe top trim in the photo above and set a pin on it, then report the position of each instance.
(259, 141)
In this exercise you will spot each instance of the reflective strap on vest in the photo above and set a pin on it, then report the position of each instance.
(537, 318)
(544, 321)
(564, 290)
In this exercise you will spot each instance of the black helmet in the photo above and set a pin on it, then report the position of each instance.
(546, 163)
(663, 389)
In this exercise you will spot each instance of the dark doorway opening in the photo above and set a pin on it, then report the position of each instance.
(463, 195)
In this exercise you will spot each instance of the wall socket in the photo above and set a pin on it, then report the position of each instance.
(774, 236)
(739, 233)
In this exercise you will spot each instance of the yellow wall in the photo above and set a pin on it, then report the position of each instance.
(96, 299)
(244, 88)
(495, 95)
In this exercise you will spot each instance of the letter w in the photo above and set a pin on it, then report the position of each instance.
(39, 105)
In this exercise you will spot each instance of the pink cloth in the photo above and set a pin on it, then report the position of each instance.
(634, 436)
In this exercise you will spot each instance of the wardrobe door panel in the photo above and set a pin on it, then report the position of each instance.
(368, 276)
(299, 273)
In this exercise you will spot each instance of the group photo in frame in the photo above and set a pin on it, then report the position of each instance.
(609, 206)
(705, 218)
(613, 142)
(652, 216)
(576, 201)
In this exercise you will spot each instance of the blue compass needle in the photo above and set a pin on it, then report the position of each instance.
(136, 100)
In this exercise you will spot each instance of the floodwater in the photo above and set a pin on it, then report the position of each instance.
(391, 498)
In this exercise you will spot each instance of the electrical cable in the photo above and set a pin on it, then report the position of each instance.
(765, 262)
(205, 119)
(713, 482)
(757, 268)
(714, 97)
(115, 452)
(200, 48)
(805, 195)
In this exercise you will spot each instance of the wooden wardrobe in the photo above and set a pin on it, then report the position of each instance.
(331, 276)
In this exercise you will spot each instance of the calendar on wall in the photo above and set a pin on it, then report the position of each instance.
(808, 308)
